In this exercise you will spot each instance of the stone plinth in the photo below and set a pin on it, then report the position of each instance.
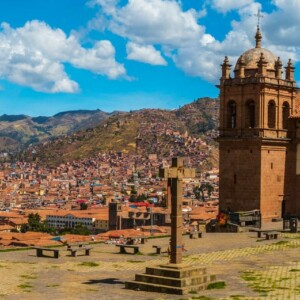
(171, 279)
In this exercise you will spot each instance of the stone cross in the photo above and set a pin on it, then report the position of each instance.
(259, 16)
(175, 174)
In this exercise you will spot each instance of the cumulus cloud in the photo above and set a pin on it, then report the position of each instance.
(286, 22)
(34, 56)
(143, 23)
(155, 22)
(146, 24)
(224, 6)
(108, 6)
(144, 53)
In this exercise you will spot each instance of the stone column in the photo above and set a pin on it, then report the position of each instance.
(176, 214)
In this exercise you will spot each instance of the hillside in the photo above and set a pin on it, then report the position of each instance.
(188, 131)
(19, 131)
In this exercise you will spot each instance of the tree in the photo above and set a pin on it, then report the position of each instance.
(83, 206)
(141, 197)
(197, 192)
(209, 189)
(35, 224)
(133, 190)
(163, 201)
(80, 229)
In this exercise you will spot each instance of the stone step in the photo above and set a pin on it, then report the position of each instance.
(151, 287)
(171, 281)
(165, 271)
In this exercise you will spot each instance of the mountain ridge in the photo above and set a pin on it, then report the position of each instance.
(188, 131)
(24, 130)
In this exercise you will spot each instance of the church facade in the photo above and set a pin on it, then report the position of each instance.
(259, 135)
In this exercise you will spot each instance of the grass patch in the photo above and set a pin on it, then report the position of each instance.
(249, 278)
(202, 298)
(25, 286)
(294, 270)
(52, 285)
(29, 276)
(193, 292)
(216, 285)
(15, 249)
(281, 243)
(89, 264)
(262, 290)
(237, 297)
(92, 290)
(135, 261)
(158, 237)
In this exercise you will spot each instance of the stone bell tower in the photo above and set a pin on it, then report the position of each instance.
(255, 106)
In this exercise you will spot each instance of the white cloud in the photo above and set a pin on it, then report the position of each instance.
(155, 22)
(144, 53)
(283, 25)
(183, 39)
(108, 6)
(224, 6)
(34, 56)
(100, 60)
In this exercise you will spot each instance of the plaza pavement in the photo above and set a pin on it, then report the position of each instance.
(252, 268)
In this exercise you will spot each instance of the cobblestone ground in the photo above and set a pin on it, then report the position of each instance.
(251, 268)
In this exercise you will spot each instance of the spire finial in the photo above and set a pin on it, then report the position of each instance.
(259, 16)
(258, 38)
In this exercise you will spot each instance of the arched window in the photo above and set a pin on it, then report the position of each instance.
(285, 115)
(231, 114)
(271, 114)
(250, 114)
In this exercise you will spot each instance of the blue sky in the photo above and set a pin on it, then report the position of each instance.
(59, 55)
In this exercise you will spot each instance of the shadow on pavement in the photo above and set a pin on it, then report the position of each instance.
(106, 281)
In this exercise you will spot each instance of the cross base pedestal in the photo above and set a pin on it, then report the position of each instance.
(172, 279)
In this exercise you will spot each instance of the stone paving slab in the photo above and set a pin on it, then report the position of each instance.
(252, 269)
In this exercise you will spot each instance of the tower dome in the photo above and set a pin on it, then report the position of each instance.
(252, 56)
(249, 59)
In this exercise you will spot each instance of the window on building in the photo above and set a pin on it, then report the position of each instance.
(250, 114)
(271, 114)
(231, 114)
(285, 115)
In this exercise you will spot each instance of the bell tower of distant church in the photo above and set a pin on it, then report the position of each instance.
(255, 105)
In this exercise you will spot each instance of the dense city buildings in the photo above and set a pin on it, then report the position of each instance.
(85, 192)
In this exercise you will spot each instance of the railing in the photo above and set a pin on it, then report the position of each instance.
(259, 79)
(254, 132)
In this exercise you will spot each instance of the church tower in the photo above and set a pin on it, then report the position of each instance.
(255, 105)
